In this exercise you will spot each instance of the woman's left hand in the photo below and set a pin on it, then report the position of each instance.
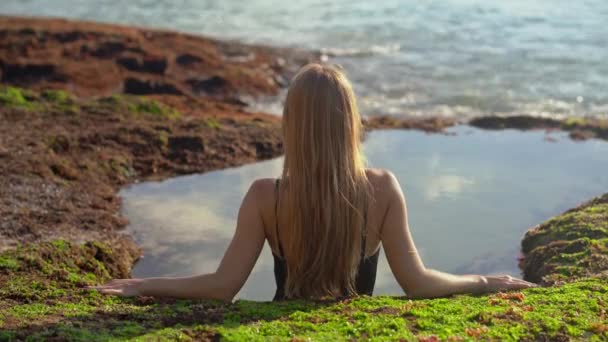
(120, 287)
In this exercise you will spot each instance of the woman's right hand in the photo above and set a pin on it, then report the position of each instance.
(120, 287)
(505, 282)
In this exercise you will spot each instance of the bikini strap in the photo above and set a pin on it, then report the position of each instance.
(364, 232)
(276, 215)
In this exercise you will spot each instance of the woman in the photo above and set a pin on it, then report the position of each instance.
(324, 219)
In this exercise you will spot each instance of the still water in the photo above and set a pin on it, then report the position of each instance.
(407, 57)
(470, 197)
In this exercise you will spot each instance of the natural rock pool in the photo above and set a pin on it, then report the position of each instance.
(471, 197)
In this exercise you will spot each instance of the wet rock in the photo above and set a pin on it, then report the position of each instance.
(264, 149)
(109, 49)
(27, 31)
(30, 72)
(522, 122)
(147, 87)
(153, 65)
(157, 65)
(236, 101)
(240, 58)
(187, 59)
(211, 85)
(130, 63)
(569, 246)
(64, 171)
(280, 62)
(582, 134)
(68, 37)
(3, 152)
(429, 125)
(280, 80)
(236, 53)
(59, 144)
(186, 143)
(118, 255)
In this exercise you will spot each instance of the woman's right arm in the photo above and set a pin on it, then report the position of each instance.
(405, 262)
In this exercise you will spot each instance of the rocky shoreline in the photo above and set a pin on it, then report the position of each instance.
(87, 108)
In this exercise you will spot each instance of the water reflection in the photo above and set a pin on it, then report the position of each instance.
(470, 199)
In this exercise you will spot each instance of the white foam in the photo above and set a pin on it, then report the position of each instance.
(361, 52)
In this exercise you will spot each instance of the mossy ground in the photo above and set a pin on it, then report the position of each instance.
(16, 97)
(54, 100)
(139, 106)
(43, 297)
(569, 246)
(42, 285)
(579, 128)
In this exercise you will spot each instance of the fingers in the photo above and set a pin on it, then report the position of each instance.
(119, 287)
(116, 292)
(119, 282)
(521, 281)
(115, 282)
(113, 287)
(515, 283)
(106, 286)
(507, 282)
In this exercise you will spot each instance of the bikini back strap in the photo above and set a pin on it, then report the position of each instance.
(276, 215)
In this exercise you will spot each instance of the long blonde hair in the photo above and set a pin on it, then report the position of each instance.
(325, 189)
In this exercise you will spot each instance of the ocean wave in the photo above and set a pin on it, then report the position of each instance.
(361, 52)
(412, 105)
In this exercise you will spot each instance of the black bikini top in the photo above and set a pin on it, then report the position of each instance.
(366, 271)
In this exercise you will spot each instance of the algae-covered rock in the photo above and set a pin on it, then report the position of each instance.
(63, 158)
(43, 297)
(569, 246)
(47, 270)
(579, 128)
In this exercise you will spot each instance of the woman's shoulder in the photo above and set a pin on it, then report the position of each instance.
(380, 178)
(262, 192)
(384, 184)
(263, 185)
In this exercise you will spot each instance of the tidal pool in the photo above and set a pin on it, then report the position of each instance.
(471, 196)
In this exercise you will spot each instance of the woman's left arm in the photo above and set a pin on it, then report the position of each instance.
(227, 280)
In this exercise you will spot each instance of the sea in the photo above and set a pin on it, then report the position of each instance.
(452, 58)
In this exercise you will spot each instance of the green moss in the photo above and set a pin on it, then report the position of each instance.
(57, 96)
(163, 138)
(29, 311)
(212, 123)
(120, 166)
(8, 262)
(141, 107)
(17, 98)
(60, 100)
(54, 100)
(155, 109)
(49, 270)
(585, 122)
(569, 311)
(128, 329)
(61, 245)
(579, 127)
(7, 336)
(569, 246)
(68, 332)
(51, 100)
(30, 289)
(574, 122)
(43, 297)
